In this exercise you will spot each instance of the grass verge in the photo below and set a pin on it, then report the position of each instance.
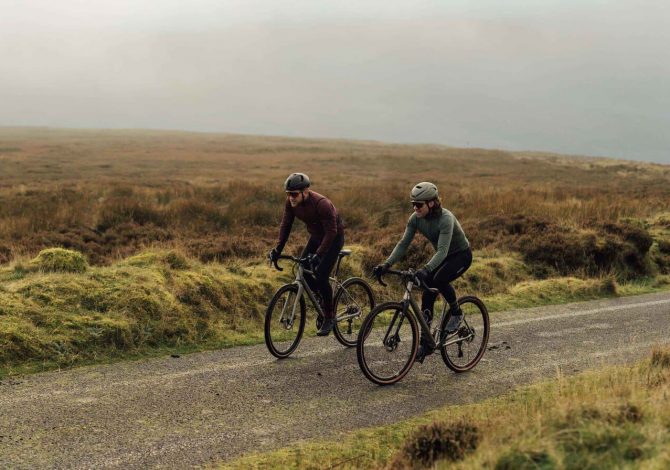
(612, 418)
(56, 311)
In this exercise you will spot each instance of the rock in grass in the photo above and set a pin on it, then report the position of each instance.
(60, 260)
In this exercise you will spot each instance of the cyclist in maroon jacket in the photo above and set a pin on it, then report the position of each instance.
(325, 242)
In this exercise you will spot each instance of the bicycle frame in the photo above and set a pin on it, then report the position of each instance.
(303, 287)
(434, 339)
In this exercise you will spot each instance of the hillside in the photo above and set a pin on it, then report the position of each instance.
(545, 228)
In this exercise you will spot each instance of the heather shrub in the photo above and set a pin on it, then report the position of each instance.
(82, 239)
(5, 254)
(613, 248)
(660, 358)
(197, 215)
(664, 246)
(501, 231)
(123, 210)
(638, 236)
(222, 247)
(437, 441)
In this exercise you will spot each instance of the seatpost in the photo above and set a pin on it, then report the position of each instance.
(337, 268)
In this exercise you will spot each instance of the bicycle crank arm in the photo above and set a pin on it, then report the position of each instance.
(457, 340)
(347, 317)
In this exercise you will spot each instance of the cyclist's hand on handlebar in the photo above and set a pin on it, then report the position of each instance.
(423, 275)
(313, 261)
(381, 269)
(274, 254)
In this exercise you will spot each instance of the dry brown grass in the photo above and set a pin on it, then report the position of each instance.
(110, 193)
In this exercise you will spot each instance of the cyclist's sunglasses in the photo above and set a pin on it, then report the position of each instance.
(418, 204)
(293, 194)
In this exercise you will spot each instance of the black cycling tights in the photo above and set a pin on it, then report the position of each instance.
(328, 260)
(450, 269)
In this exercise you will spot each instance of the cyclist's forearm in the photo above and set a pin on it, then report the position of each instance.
(285, 228)
(283, 238)
(397, 254)
(399, 251)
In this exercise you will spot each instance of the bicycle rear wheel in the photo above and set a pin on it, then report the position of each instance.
(387, 343)
(282, 331)
(464, 348)
(353, 301)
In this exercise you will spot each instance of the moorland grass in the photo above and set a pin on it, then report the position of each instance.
(161, 301)
(109, 194)
(156, 299)
(84, 212)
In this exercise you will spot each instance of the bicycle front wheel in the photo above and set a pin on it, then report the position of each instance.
(353, 301)
(284, 321)
(387, 343)
(464, 348)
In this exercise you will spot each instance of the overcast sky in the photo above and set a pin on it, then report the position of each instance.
(583, 77)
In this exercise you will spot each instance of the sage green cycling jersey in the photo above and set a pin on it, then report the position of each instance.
(443, 232)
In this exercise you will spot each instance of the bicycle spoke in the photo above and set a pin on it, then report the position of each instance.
(463, 349)
(353, 301)
(387, 344)
(284, 321)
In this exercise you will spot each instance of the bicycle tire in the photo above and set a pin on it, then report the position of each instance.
(473, 308)
(347, 333)
(368, 343)
(273, 344)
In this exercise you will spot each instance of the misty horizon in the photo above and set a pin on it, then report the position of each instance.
(581, 78)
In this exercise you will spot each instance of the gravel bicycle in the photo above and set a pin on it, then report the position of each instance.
(388, 339)
(286, 314)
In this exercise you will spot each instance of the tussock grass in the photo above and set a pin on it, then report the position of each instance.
(60, 260)
(55, 311)
(151, 300)
(546, 229)
(554, 291)
(615, 417)
(110, 194)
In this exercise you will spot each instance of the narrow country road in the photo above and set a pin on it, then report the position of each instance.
(207, 407)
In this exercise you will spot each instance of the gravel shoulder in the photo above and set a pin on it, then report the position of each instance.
(213, 406)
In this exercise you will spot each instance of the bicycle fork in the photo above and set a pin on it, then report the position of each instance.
(288, 320)
(392, 337)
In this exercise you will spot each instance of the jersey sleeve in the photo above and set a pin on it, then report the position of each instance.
(285, 226)
(400, 249)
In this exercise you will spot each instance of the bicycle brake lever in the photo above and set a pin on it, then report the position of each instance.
(423, 285)
(277, 266)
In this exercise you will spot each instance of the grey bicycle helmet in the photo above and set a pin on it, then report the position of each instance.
(423, 192)
(296, 182)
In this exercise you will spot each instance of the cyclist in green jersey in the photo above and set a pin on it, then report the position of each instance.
(452, 257)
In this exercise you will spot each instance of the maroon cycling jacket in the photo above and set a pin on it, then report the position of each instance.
(320, 216)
